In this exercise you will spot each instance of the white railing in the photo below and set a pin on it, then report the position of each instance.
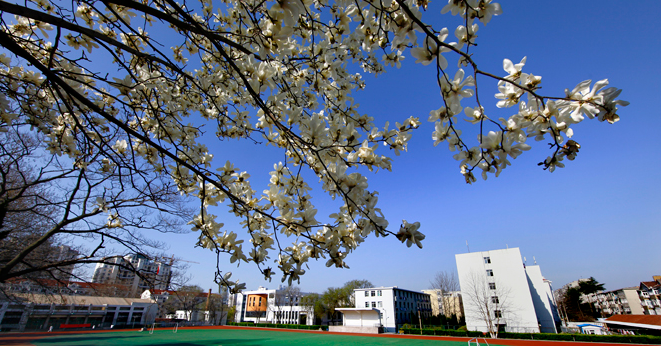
(477, 341)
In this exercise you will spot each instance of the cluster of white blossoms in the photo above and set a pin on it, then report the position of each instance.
(279, 73)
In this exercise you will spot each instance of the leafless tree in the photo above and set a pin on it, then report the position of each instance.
(190, 298)
(446, 285)
(286, 298)
(50, 205)
(488, 301)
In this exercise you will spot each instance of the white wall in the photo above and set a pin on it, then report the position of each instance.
(511, 285)
(290, 314)
(383, 303)
(386, 301)
(542, 297)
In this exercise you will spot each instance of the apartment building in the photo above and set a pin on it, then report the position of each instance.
(136, 272)
(500, 292)
(623, 301)
(649, 293)
(445, 303)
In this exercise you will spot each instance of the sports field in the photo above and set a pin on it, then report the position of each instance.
(230, 337)
(238, 336)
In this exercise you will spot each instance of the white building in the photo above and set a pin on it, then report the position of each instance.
(396, 306)
(122, 271)
(623, 301)
(272, 306)
(498, 288)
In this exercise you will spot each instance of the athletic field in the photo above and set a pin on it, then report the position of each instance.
(237, 336)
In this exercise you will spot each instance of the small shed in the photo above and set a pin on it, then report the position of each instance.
(358, 320)
(587, 328)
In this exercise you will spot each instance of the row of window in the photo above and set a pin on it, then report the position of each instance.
(252, 300)
(374, 304)
(373, 293)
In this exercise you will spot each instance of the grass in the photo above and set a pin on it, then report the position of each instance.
(229, 337)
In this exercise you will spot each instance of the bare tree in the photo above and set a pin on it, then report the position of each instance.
(284, 301)
(446, 285)
(49, 204)
(187, 298)
(488, 301)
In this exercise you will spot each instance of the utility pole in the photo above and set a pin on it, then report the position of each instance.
(419, 318)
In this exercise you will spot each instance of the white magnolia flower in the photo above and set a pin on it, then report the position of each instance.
(409, 232)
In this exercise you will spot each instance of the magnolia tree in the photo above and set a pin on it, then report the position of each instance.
(132, 83)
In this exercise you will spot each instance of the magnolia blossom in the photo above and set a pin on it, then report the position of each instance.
(281, 74)
(409, 232)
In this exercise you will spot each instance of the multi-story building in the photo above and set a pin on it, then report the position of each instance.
(649, 293)
(170, 304)
(272, 306)
(396, 306)
(64, 253)
(136, 272)
(40, 312)
(500, 292)
(57, 287)
(446, 303)
(623, 301)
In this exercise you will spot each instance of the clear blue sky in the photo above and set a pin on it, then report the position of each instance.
(598, 217)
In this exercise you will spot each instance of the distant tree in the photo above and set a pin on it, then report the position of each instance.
(231, 312)
(48, 204)
(189, 298)
(217, 306)
(574, 302)
(332, 299)
(313, 302)
(445, 283)
(341, 297)
(347, 291)
(284, 301)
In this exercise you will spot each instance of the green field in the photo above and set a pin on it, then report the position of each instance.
(226, 337)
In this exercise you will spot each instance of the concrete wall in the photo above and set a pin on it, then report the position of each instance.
(349, 329)
(542, 298)
(512, 289)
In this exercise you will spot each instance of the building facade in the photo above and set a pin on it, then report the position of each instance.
(500, 292)
(136, 272)
(649, 293)
(623, 301)
(40, 312)
(446, 303)
(272, 306)
(396, 306)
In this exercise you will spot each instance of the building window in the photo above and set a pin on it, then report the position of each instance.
(378, 293)
(489, 272)
(373, 293)
(487, 260)
(492, 285)
(497, 314)
(367, 304)
(494, 299)
(380, 304)
(373, 304)
(367, 293)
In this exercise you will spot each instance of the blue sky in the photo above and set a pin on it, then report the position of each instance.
(598, 217)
